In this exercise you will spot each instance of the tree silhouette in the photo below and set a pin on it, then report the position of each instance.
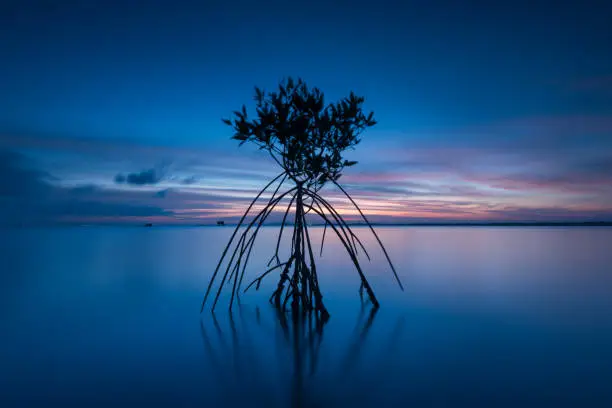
(307, 139)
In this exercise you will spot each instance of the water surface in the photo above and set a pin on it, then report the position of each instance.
(490, 317)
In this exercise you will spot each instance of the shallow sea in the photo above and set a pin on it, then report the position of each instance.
(490, 316)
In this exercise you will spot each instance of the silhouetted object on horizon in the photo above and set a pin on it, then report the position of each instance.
(306, 138)
(220, 222)
(148, 224)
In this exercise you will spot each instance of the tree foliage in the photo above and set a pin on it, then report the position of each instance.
(306, 136)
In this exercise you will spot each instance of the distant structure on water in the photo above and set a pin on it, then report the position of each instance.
(220, 222)
(148, 224)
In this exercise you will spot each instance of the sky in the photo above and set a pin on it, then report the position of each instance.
(110, 111)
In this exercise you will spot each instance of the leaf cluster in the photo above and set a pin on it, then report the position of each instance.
(304, 135)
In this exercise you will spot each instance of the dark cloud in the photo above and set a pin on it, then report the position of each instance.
(150, 176)
(19, 179)
(189, 180)
(145, 177)
(28, 197)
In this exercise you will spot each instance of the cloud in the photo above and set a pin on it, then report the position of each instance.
(506, 170)
(189, 180)
(29, 197)
(19, 179)
(150, 176)
(585, 174)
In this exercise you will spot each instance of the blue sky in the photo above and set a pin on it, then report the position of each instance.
(486, 110)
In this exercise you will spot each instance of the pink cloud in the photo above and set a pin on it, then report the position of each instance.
(459, 180)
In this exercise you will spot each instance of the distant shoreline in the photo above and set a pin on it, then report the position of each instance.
(355, 224)
(465, 224)
(451, 224)
(493, 224)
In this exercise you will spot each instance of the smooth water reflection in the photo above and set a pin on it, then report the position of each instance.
(277, 359)
(490, 317)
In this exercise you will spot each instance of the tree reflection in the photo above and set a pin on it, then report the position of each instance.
(272, 358)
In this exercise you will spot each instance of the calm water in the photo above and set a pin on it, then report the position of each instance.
(490, 317)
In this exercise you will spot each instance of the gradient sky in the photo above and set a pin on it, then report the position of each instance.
(110, 111)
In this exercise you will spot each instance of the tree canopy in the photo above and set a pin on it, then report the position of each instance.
(305, 136)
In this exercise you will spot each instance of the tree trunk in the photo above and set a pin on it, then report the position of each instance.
(303, 289)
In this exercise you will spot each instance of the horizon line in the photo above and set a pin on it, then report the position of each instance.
(352, 224)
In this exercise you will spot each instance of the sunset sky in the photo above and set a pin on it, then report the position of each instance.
(110, 111)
